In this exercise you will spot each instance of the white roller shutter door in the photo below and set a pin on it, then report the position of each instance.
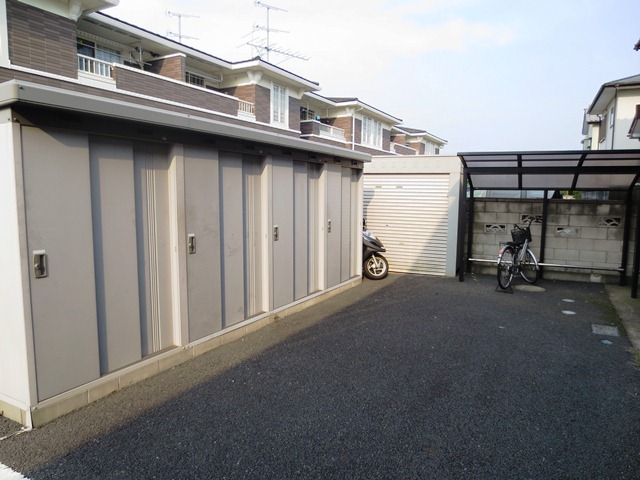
(410, 215)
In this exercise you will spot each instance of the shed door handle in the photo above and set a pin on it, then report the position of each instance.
(191, 242)
(40, 263)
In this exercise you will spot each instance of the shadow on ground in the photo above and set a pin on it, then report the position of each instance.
(410, 377)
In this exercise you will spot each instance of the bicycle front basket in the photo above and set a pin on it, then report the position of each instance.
(519, 235)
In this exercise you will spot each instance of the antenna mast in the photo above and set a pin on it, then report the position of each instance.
(179, 34)
(267, 46)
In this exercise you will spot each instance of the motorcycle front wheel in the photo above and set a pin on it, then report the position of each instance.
(375, 267)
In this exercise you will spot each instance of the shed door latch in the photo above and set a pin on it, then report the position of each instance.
(39, 263)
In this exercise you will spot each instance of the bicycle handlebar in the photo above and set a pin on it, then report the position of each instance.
(528, 221)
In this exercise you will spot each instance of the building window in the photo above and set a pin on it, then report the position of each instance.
(194, 79)
(279, 105)
(371, 132)
(306, 114)
(612, 117)
(96, 59)
(430, 149)
(99, 52)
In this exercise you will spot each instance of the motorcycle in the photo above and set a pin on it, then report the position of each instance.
(374, 265)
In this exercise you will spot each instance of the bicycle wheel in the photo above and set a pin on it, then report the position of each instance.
(528, 268)
(505, 275)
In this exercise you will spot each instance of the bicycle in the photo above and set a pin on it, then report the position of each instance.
(515, 257)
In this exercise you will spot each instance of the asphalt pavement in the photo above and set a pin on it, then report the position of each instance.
(411, 377)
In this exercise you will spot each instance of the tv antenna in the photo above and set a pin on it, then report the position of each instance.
(179, 34)
(265, 45)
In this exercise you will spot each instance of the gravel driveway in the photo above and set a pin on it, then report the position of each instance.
(411, 377)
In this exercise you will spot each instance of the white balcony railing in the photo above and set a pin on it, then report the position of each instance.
(94, 66)
(330, 131)
(246, 109)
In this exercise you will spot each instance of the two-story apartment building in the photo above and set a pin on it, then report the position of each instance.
(413, 141)
(155, 201)
(356, 125)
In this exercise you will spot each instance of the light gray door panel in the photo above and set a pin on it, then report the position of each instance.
(346, 230)
(151, 174)
(282, 240)
(333, 225)
(301, 237)
(203, 222)
(114, 233)
(255, 241)
(63, 303)
(316, 228)
(232, 238)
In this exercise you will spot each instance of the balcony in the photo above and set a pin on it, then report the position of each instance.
(115, 76)
(246, 110)
(332, 132)
(314, 127)
(95, 66)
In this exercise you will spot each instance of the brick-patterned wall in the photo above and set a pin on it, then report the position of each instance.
(345, 123)
(172, 67)
(386, 140)
(243, 92)
(133, 81)
(6, 74)
(324, 140)
(41, 40)
(419, 146)
(399, 138)
(357, 134)
(309, 128)
(263, 104)
(401, 149)
(294, 113)
(370, 150)
(581, 233)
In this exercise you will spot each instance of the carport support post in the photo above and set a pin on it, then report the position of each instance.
(628, 208)
(543, 229)
(636, 256)
(472, 212)
(462, 211)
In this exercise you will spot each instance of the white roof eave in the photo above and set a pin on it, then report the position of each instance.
(15, 91)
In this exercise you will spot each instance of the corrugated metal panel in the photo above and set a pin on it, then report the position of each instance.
(409, 213)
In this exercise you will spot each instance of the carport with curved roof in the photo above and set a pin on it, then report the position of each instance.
(549, 171)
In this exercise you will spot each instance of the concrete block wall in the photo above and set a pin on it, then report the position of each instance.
(579, 233)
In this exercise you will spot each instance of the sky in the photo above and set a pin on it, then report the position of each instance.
(485, 75)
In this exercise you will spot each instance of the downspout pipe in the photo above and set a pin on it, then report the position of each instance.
(615, 113)
(635, 271)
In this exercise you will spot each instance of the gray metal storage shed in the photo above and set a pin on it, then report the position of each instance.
(134, 239)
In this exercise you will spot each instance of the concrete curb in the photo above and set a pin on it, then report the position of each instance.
(628, 310)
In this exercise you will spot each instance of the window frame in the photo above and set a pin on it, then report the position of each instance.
(93, 49)
(372, 132)
(279, 105)
(194, 79)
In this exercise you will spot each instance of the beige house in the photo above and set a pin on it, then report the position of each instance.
(609, 120)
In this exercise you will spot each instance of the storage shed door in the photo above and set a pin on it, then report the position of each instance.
(409, 214)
